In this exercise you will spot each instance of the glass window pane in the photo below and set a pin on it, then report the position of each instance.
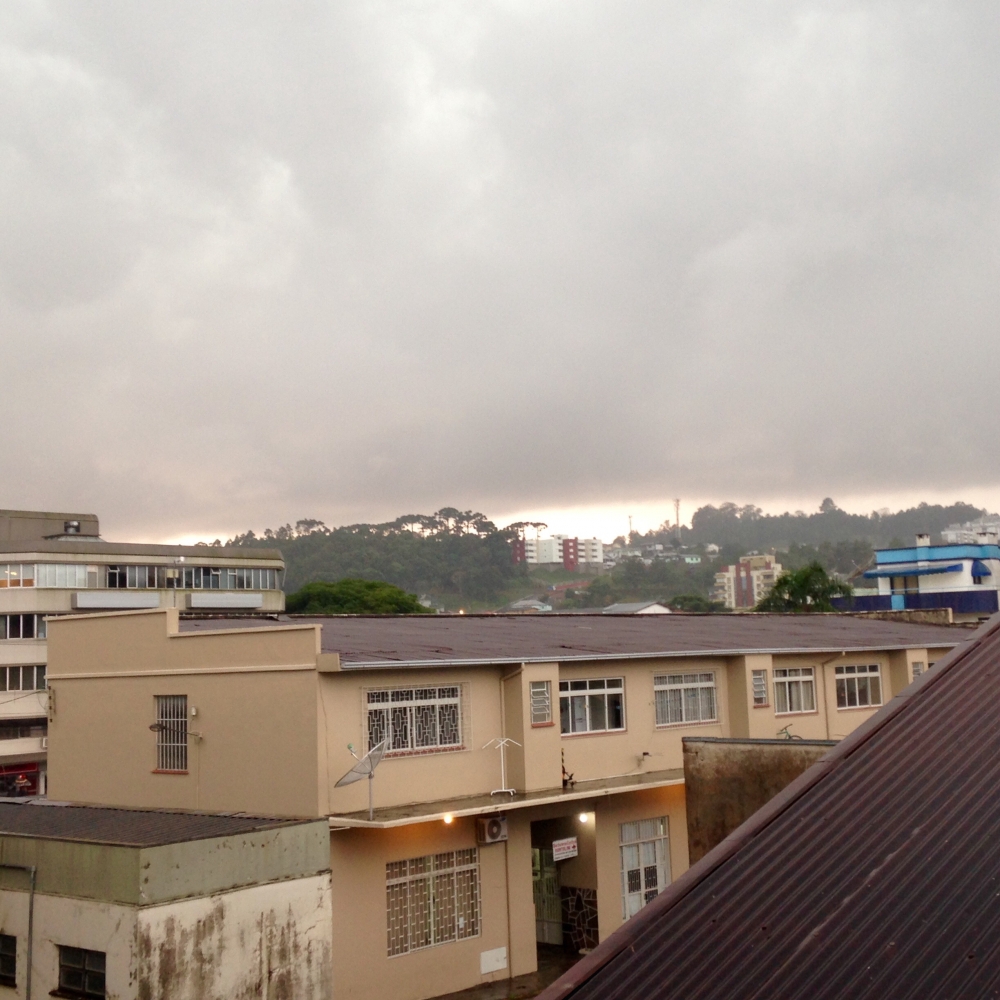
(616, 711)
(579, 710)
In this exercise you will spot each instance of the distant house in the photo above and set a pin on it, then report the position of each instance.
(637, 608)
(528, 605)
(872, 876)
(965, 578)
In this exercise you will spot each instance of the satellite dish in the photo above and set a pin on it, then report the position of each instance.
(365, 768)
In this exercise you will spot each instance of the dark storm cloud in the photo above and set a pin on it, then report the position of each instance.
(349, 260)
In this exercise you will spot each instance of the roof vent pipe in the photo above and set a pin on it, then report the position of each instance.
(923, 540)
(71, 527)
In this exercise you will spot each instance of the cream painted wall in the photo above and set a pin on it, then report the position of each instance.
(614, 810)
(358, 860)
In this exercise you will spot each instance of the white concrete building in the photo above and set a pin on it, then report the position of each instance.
(568, 551)
(747, 582)
(135, 904)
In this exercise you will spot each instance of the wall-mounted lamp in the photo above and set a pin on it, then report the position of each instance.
(448, 818)
(583, 817)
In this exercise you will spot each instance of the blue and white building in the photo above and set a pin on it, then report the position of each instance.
(965, 578)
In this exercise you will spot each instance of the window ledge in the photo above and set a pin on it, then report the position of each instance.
(686, 725)
(157, 770)
(857, 708)
(421, 752)
(811, 711)
(765, 705)
(542, 725)
(594, 732)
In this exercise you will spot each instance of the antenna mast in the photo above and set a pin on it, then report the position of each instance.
(677, 519)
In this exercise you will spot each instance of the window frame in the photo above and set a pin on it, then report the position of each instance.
(37, 674)
(642, 837)
(89, 960)
(395, 702)
(847, 672)
(571, 688)
(39, 630)
(798, 676)
(696, 682)
(540, 708)
(172, 738)
(8, 960)
(759, 700)
(423, 883)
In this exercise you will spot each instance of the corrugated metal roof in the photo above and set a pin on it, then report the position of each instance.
(126, 827)
(420, 640)
(874, 875)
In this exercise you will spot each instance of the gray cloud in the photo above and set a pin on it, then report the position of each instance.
(348, 260)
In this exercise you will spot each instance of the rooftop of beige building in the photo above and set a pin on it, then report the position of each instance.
(369, 642)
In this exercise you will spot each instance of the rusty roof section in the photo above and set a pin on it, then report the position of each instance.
(125, 827)
(452, 640)
(876, 874)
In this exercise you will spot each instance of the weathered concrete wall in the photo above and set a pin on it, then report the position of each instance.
(270, 942)
(727, 781)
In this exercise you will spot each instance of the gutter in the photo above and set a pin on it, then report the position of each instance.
(631, 931)
(839, 650)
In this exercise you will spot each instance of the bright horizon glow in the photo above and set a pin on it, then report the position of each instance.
(607, 521)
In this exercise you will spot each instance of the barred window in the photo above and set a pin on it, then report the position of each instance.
(859, 687)
(541, 702)
(645, 862)
(759, 687)
(794, 690)
(415, 719)
(684, 698)
(432, 900)
(171, 732)
(592, 706)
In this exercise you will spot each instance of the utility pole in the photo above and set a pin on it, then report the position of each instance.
(629, 541)
(677, 518)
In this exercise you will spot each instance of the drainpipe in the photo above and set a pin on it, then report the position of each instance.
(32, 870)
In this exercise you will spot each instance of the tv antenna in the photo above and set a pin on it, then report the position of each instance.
(501, 743)
(365, 768)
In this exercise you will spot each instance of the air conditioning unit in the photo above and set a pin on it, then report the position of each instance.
(491, 829)
(45, 742)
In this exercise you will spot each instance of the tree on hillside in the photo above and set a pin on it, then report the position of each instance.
(806, 589)
(353, 597)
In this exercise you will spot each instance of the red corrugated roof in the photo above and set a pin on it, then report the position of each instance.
(874, 875)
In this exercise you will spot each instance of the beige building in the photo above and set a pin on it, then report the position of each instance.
(474, 856)
(746, 583)
(52, 563)
(150, 905)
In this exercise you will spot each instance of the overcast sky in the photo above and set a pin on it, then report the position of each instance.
(278, 260)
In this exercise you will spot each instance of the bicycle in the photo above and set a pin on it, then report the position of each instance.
(786, 734)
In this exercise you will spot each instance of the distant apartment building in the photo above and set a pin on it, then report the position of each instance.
(52, 564)
(746, 583)
(982, 531)
(531, 791)
(963, 577)
(559, 549)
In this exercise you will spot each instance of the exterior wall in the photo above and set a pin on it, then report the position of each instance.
(269, 941)
(275, 940)
(358, 860)
(601, 755)
(726, 782)
(616, 809)
(415, 777)
(94, 720)
(34, 525)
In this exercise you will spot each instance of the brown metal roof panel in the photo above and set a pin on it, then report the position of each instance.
(128, 827)
(879, 880)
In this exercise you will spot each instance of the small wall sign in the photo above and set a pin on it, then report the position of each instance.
(563, 850)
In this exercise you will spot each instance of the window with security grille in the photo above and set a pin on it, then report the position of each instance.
(81, 973)
(415, 720)
(759, 687)
(684, 698)
(794, 690)
(171, 732)
(917, 667)
(541, 702)
(8, 960)
(645, 862)
(592, 706)
(859, 687)
(432, 900)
